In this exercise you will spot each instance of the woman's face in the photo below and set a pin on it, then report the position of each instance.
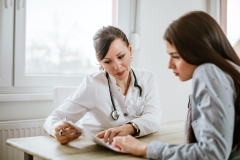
(180, 68)
(117, 61)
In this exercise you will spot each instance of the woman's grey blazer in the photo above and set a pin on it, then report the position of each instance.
(213, 115)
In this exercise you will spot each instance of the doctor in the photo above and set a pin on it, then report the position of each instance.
(118, 99)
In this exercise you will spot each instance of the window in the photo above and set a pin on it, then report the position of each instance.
(49, 43)
(230, 23)
(233, 24)
(59, 35)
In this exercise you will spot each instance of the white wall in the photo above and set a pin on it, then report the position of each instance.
(153, 18)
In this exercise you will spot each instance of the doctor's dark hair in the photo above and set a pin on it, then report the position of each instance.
(103, 39)
(199, 39)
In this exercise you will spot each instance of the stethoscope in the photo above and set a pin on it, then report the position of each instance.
(115, 114)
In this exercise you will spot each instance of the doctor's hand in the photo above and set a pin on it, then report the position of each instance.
(64, 133)
(130, 145)
(110, 133)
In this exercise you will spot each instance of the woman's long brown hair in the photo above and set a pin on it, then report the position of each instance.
(199, 39)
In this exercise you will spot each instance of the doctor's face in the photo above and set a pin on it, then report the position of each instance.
(117, 61)
(180, 68)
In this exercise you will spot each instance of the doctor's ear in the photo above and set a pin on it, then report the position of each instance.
(101, 68)
(130, 48)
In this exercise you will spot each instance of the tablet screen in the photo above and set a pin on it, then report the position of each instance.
(92, 137)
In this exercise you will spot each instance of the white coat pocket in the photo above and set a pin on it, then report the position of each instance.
(135, 107)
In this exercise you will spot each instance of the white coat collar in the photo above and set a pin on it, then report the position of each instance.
(113, 80)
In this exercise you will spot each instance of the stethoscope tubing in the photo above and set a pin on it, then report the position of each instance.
(112, 100)
(114, 113)
(136, 84)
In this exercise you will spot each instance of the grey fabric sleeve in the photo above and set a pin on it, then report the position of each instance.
(214, 94)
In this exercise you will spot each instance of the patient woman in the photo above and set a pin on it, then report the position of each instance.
(199, 50)
(118, 100)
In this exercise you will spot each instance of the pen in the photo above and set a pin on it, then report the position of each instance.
(61, 130)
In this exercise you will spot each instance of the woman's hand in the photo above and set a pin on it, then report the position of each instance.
(131, 145)
(68, 133)
(110, 133)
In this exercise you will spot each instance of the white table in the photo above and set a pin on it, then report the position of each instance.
(46, 147)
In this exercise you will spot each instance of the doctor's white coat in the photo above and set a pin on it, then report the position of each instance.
(90, 105)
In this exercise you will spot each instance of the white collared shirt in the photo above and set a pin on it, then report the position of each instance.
(90, 105)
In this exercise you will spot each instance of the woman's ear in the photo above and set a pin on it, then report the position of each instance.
(130, 49)
(100, 65)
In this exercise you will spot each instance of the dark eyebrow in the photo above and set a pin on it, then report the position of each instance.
(173, 53)
(116, 55)
(120, 52)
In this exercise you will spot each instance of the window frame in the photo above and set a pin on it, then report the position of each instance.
(218, 10)
(6, 42)
(36, 80)
(223, 16)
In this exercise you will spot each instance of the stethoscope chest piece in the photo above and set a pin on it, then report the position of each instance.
(115, 115)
